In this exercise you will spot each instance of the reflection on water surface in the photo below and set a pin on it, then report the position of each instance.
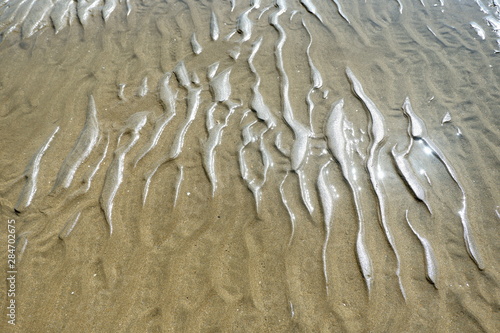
(251, 165)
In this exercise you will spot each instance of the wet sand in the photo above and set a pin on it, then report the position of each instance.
(251, 166)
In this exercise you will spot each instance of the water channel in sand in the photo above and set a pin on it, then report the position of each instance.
(250, 166)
